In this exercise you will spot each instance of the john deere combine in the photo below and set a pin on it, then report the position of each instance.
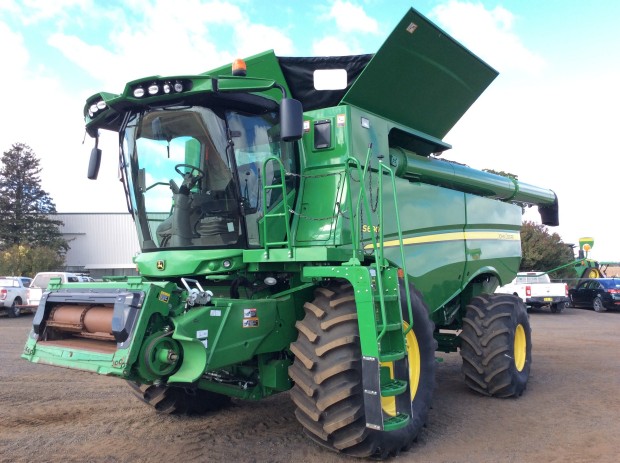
(326, 251)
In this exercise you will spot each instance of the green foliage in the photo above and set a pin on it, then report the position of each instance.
(502, 173)
(24, 214)
(543, 251)
(27, 261)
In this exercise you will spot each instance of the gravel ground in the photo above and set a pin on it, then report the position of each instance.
(569, 413)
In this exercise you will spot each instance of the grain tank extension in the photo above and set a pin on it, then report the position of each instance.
(304, 240)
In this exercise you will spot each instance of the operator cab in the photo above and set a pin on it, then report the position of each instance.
(194, 174)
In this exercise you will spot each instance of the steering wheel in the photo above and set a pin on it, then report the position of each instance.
(191, 171)
(189, 179)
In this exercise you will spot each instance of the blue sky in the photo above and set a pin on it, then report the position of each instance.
(552, 116)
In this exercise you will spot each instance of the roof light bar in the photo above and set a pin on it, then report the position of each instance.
(160, 87)
(96, 107)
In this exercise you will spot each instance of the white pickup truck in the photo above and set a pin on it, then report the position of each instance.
(14, 293)
(536, 290)
(42, 279)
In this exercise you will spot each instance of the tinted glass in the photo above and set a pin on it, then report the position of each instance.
(610, 284)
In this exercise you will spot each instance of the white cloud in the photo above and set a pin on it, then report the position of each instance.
(558, 134)
(92, 58)
(38, 10)
(48, 117)
(255, 38)
(489, 34)
(12, 52)
(158, 37)
(173, 38)
(331, 46)
(8, 6)
(352, 18)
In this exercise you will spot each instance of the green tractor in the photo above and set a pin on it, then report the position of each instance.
(307, 238)
(588, 268)
(583, 266)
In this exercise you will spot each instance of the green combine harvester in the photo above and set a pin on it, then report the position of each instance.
(305, 240)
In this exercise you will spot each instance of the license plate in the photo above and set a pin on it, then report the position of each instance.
(548, 299)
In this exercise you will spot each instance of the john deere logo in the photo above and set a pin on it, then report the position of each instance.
(161, 265)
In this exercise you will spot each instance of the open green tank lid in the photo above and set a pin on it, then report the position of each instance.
(421, 78)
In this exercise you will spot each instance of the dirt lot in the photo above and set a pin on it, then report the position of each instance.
(570, 412)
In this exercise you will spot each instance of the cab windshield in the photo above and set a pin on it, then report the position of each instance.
(194, 175)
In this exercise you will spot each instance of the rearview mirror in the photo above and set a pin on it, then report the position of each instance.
(95, 161)
(291, 119)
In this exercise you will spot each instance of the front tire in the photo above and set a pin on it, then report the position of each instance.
(327, 371)
(179, 401)
(496, 345)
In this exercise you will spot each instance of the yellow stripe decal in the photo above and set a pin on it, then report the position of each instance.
(454, 236)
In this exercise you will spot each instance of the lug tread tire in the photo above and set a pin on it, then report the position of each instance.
(487, 345)
(327, 373)
(179, 401)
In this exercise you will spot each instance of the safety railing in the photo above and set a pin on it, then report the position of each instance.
(283, 215)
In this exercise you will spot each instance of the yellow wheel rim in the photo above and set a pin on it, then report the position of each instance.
(594, 273)
(520, 347)
(591, 272)
(413, 353)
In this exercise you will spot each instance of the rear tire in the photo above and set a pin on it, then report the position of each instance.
(327, 371)
(558, 307)
(14, 311)
(496, 345)
(591, 272)
(177, 400)
(597, 304)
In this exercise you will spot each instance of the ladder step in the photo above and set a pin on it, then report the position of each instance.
(390, 327)
(272, 187)
(396, 422)
(277, 243)
(391, 356)
(275, 214)
(393, 387)
(388, 297)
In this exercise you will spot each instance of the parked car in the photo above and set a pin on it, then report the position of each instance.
(41, 281)
(14, 292)
(599, 293)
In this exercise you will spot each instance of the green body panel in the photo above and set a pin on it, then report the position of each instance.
(95, 362)
(262, 65)
(320, 222)
(238, 330)
(162, 264)
(416, 67)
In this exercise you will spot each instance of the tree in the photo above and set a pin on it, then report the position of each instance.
(543, 251)
(26, 260)
(26, 208)
(502, 173)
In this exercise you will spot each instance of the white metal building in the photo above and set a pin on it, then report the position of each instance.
(102, 244)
